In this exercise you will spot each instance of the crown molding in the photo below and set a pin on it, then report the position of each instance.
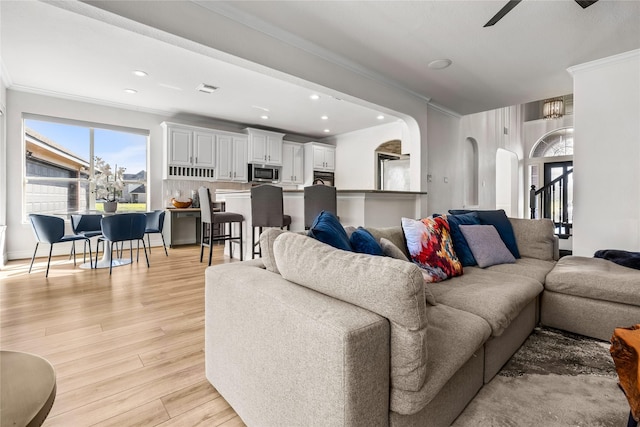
(444, 110)
(227, 10)
(603, 62)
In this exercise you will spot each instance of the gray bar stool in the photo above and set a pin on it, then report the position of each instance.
(318, 198)
(266, 211)
(210, 219)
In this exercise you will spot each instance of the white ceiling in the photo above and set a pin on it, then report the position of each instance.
(80, 52)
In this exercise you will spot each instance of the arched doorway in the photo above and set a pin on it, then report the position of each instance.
(551, 179)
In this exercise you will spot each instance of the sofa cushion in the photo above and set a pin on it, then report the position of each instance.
(595, 278)
(389, 287)
(267, 237)
(391, 250)
(327, 229)
(486, 245)
(496, 297)
(535, 237)
(460, 244)
(363, 242)
(454, 337)
(528, 267)
(394, 234)
(431, 248)
(497, 218)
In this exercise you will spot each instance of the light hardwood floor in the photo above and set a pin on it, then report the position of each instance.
(128, 350)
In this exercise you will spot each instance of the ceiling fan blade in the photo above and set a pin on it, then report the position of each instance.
(505, 9)
(585, 3)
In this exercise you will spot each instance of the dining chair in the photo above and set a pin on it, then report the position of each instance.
(87, 225)
(318, 198)
(267, 210)
(50, 229)
(155, 223)
(120, 228)
(209, 234)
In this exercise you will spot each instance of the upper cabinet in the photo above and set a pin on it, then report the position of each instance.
(265, 147)
(320, 157)
(232, 158)
(194, 153)
(292, 163)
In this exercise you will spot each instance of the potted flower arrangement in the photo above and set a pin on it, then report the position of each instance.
(109, 183)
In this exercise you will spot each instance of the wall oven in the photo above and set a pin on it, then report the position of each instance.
(325, 178)
(263, 174)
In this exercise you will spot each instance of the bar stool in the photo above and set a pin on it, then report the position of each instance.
(266, 211)
(318, 198)
(210, 219)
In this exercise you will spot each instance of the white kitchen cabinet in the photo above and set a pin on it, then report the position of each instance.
(189, 152)
(232, 157)
(320, 157)
(292, 163)
(265, 147)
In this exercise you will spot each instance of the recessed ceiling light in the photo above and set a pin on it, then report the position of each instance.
(131, 91)
(140, 73)
(315, 97)
(439, 64)
(380, 117)
(327, 130)
(324, 117)
(264, 117)
(203, 87)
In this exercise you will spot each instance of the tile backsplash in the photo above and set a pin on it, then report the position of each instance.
(182, 189)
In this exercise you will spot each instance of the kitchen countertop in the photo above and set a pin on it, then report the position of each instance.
(338, 191)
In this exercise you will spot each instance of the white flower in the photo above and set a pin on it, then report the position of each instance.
(109, 184)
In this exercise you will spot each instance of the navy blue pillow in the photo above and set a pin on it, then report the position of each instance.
(363, 242)
(460, 244)
(497, 218)
(327, 229)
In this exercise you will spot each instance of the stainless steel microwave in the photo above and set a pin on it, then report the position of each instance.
(263, 174)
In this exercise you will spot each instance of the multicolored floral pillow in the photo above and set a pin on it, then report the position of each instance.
(431, 248)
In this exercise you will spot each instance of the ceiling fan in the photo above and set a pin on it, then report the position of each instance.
(513, 3)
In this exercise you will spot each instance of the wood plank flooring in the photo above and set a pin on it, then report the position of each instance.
(128, 349)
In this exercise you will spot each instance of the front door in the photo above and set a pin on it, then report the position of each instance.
(559, 205)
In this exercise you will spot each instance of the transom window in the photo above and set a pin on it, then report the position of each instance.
(556, 143)
(72, 166)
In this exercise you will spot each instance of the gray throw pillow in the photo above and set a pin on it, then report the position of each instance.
(486, 245)
(391, 250)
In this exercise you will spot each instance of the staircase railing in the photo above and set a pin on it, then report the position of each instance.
(553, 199)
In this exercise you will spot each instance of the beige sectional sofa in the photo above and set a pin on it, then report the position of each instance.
(312, 335)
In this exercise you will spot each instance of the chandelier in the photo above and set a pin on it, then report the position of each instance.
(553, 108)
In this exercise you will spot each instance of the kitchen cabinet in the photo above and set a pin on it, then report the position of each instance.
(292, 163)
(189, 152)
(320, 157)
(231, 157)
(265, 147)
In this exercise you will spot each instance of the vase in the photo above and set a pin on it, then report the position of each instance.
(110, 207)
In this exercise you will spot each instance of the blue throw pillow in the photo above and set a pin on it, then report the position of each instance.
(460, 245)
(363, 242)
(497, 218)
(327, 229)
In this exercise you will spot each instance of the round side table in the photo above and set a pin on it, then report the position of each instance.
(27, 389)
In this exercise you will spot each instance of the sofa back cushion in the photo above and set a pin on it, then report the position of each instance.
(535, 238)
(386, 286)
(394, 234)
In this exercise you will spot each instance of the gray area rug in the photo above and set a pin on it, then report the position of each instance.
(555, 379)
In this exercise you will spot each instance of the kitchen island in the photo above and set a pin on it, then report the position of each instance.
(367, 208)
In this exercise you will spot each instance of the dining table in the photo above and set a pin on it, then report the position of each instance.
(107, 257)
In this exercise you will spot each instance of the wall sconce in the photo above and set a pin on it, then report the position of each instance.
(553, 108)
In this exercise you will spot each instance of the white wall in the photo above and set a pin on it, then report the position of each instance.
(447, 134)
(607, 156)
(355, 155)
(3, 167)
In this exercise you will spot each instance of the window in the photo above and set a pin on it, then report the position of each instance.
(64, 160)
(556, 143)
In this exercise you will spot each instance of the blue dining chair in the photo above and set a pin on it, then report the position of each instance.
(155, 222)
(120, 228)
(87, 225)
(50, 229)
